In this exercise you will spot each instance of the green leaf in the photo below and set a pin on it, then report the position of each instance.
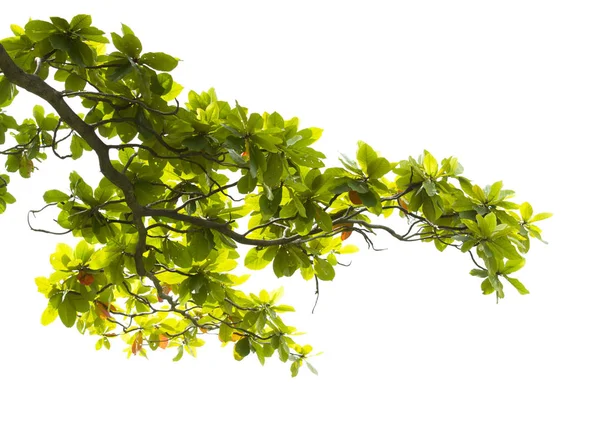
(518, 285)
(323, 219)
(78, 302)
(93, 34)
(55, 196)
(159, 61)
(79, 22)
(489, 223)
(475, 229)
(179, 354)
(512, 266)
(486, 287)
(323, 269)
(246, 183)
(128, 44)
(378, 168)
(75, 83)
(254, 259)
(479, 272)
(197, 143)
(505, 248)
(295, 367)
(81, 53)
(8, 92)
(365, 156)
(284, 264)
(225, 332)
(37, 30)
(479, 194)
(267, 141)
(283, 308)
(283, 349)
(60, 23)
(272, 175)
(83, 251)
(430, 187)
(201, 244)
(38, 114)
(61, 41)
(104, 257)
(67, 313)
(370, 199)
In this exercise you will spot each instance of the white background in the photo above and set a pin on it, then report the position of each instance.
(410, 345)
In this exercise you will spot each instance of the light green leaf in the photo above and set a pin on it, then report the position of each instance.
(494, 191)
(104, 257)
(475, 229)
(348, 249)
(55, 196)
(49, 315)
(526, 211)
(512, 266)
(518, 285)
(83, 251)
(479, 272)
(540, 216)
(490, 223)
(179, 354)
(365, 156)
(378, 168)
(254, 259)
(311, 368)
(430, 164)
(486, 287)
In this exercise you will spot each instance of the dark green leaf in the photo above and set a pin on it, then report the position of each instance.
(197, 143)
(60, 23)
(79, 22)
(67, 313)
(242, 348)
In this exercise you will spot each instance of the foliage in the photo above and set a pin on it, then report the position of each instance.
(161, 233)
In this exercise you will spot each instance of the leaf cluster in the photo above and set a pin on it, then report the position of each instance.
(186, 185)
